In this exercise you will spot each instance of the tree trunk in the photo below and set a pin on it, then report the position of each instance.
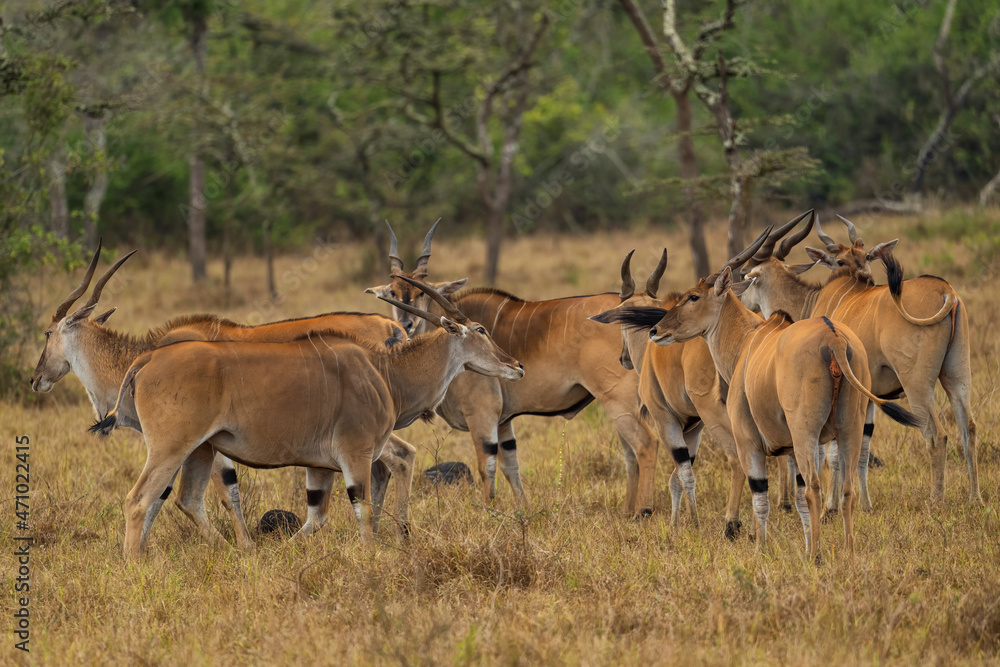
(197, 236)
(97, 142)
(988, 190)
(269, 258)
(494, 238)
(689, 172)
(739, 213)
(59, 207)
(197, 241)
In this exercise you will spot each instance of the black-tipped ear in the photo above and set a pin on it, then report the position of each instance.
(103, 317)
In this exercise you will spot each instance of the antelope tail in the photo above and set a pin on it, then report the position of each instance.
(110, 422)
(894, 274)
(893, 411)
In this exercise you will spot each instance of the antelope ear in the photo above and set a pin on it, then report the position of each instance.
(882, 249)
(799, 269)
(80, 315)
(822, 257)
(724, 282)
(102, 318)
(740, 287)
(453, 327)
(447, 288)
(381, 290)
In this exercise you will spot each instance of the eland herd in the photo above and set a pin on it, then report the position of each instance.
(770, 364)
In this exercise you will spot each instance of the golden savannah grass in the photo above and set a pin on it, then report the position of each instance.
(569, 581)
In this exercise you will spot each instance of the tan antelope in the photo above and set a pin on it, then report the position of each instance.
(100, 357)
(328, 400)
(569, 362)
(680, 395)
(791, 387)
(916, 333)
(679, 388)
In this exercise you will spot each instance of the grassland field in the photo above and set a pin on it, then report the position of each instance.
(570, 581)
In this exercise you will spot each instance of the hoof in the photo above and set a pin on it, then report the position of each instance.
(643, 514)
(733, 530)
(829, 515)
(785, 507)
(874, 461)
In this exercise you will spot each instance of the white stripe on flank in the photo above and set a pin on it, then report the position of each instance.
(494, 327)
(510, 336)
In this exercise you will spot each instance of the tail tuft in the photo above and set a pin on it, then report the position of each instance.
(901, 415)
(894, 275)
(106, 425)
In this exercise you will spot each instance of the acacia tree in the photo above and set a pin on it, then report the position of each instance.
(955, 98)
(677, 82)
(710, 76)
(463, 72)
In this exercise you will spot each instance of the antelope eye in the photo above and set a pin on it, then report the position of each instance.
(481, 330)
(693, 298)
(841, 262)
(47, 334)
(392, 294)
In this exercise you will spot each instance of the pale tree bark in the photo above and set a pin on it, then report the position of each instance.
(990, 188)
(197, 236)
(954, 100)
(494, 176)
(58, 206)
(97, 144)
(679, 87)
(717, 102)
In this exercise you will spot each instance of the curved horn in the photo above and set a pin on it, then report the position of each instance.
(628, 285)
(425, 255)
(736, 262)
(764, 252)
(852, 233)
(78, 292)
(795, 239)
(653, 282)
(831, 245)
(413, 310)
(441, 300)
(99, 287)
(396, 264)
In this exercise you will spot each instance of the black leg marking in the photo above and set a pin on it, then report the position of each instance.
(509, 445)
(490, 448)
(799, 481)
(315, 496)
(166, 493)
(757, 485)
(229, 476)
(681, 455)
(874, 461)
(692, 460)
(356, 493)
(869, 429)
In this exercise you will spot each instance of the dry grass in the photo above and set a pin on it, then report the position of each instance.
(571, 581)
